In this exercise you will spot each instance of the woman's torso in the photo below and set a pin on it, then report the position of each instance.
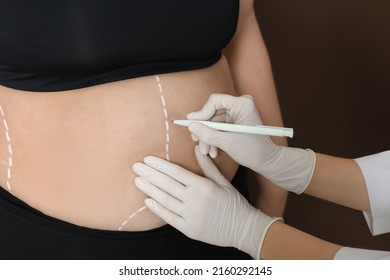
(69, 154)
(100, 101)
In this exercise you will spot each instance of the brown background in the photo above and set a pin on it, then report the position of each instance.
(331, 63)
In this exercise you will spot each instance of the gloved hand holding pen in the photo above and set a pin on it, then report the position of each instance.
(211, 210)
(290, 168)
(192, 203)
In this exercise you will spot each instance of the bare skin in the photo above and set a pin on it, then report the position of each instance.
(345, 186)
(283, 242)
(73, 150)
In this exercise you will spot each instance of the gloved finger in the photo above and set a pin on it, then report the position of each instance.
(245, 112)
(204, 148)
(159, 179)
(170, 217)
(174, 171)
(194, 138)
(220, 116)
(208, 135)
(213, 152)
(170, 202)
(215, 102)
(209, 169)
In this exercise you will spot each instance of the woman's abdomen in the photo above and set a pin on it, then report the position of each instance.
(70, 154)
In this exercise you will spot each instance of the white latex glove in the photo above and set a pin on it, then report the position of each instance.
(206, 209)
(290, 168)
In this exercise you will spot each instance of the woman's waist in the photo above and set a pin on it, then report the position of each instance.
(95, 196)
(70, 154)
(93, 185)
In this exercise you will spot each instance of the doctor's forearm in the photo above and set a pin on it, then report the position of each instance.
(339, 180)
(287, 243)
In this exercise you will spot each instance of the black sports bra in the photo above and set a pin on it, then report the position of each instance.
(61, 45)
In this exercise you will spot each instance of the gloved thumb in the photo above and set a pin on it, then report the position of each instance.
(209, 169)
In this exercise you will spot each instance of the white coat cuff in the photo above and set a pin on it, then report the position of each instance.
(347, 253)
(376, 172)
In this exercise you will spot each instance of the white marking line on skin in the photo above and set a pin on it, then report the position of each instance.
(9, 163)
(130, 217)
(160, 89)
(167, 138)
(10, 149)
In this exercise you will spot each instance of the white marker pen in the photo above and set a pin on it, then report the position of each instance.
(257, 129)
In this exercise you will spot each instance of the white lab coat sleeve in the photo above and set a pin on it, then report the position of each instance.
(347, 253)
(376, 172)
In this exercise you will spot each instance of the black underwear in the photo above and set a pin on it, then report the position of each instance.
(28, 234)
